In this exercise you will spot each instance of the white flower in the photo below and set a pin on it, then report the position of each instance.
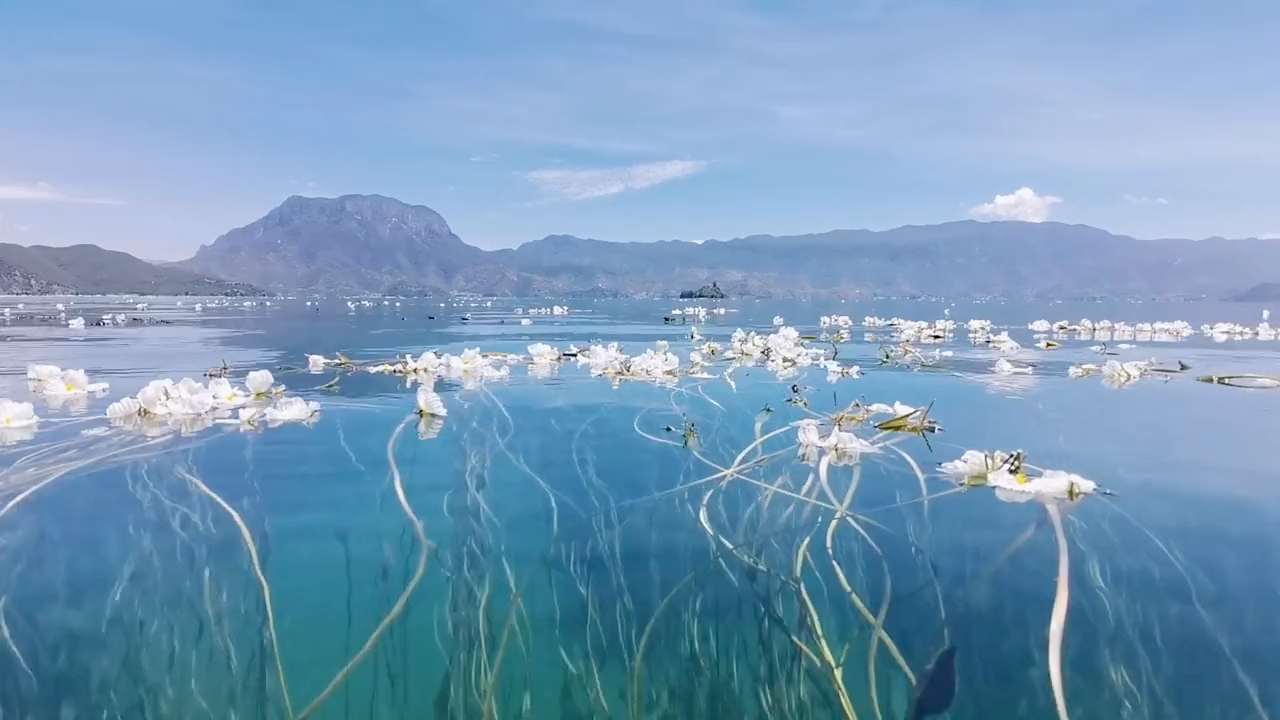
(542, 353)
(1051, 486)
(974, 465)
(291, 409)
(1079, 371)
(17, 421)
(154, 397)
(225, 396)
(76, 323)
(1039, 326)
(430, 403)
(1004, 367)
(1005, 344)
(317, 363)
(526, 321)
(1118, 374)
(43, 372)
(778, 321)
(259, 382)
(429, 427)
(124, 408)
(845, 447)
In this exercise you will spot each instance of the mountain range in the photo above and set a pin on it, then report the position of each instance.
(91, 270)
(373, 244)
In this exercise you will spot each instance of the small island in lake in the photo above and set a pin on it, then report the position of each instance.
(706, 292)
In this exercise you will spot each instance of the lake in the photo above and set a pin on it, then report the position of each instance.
(615, 537)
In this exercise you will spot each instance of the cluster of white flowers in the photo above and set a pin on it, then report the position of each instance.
(1114, 373)
(470, 367)
(657, 363)
(553, 310)
(783, 352)
(1223, 331)
(1106, 330)
(188, 406)
(698, 312)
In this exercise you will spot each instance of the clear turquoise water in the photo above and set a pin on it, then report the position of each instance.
(128, 593)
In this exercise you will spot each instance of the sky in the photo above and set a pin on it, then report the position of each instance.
(153, 127)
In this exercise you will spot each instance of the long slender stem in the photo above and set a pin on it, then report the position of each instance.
(423, 549)
(1058, 619)
(252, 548)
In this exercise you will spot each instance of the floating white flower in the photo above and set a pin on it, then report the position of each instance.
(290, 409)
(542, 353)
(1079, 371)
(835, 371)
(1118, 374)
(1040, 326)
(69, 382)
(842, 447)
(526, 321)
(1004, 343)
(225, 396)
(1050, 487)
(259, 382)
(430, 403)
(974, 467)
(43, 372)
(17, 421)
(76, 323)
(1004, 367)
(317, 363)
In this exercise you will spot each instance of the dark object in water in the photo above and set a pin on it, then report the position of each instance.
(431, 317)
(937, 690)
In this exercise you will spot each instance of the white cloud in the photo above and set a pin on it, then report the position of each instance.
(44, 192)
(1144, 200)
(585, 184)
(1022, 204)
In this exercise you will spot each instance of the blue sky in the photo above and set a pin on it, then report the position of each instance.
(153, 127)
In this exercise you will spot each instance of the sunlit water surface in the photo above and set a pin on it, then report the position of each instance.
(568, 575)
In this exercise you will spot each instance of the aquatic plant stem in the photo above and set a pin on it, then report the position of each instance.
(4, 629)
(637, 704)
(423, 549)
(1058, 618)
(252, 548)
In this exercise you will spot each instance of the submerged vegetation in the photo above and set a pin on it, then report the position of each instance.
(777, 560)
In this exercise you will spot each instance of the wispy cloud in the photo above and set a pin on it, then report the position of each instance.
(1022, 204)
(44, 192)
(1144, 200)
(586, 184)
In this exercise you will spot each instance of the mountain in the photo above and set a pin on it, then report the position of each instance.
(91, 270)
(1262, 292)
(370, 243)
(355, 243)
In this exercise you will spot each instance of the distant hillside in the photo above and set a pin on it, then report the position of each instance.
(958, 259)
(1262, 292)
(91, 270)
(370, 243)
